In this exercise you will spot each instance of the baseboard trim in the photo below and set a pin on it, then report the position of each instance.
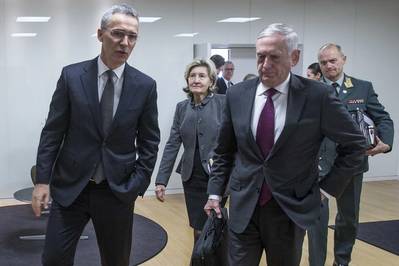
(380, 178)
(151, 192)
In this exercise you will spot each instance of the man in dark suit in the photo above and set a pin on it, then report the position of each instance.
(224, 82)
(98, 148)
(354, 94)
(270, 137)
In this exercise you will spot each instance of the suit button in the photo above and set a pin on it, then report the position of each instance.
(258, 190)
(201, 134)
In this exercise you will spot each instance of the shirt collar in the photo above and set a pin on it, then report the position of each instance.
(282, 88)
(103, 68)
(339, 81)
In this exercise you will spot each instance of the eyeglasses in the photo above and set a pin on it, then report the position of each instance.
(229, 69)
(120, 35)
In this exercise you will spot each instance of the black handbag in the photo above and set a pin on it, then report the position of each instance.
(212, 235)
(366, 126)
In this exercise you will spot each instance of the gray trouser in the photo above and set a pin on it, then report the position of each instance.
(346, 224)
(347, 220)
(317, 237)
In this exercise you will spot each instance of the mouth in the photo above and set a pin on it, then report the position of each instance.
(121, 52)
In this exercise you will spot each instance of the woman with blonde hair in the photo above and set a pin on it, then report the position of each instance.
(195, 125)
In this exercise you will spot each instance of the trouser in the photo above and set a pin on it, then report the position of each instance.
(112, 220)
(346, 224)
(317, 237)
(269, 229)
(347, 220)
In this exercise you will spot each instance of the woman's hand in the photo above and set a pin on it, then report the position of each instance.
(160, 192)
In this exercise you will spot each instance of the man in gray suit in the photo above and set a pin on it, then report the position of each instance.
(354, 94)
(270, 137)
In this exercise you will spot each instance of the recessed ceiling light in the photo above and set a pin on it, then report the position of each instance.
(33, 19)
(186, 34)
(238, 20)
(149, 19)
(24, 34)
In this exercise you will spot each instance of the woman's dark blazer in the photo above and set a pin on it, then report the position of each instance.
(202, 121)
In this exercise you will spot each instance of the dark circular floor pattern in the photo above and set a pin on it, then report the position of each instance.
(19, 220)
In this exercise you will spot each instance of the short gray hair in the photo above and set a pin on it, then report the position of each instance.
(211, 69)
(124, 9)
(331, 45)
(290, 36)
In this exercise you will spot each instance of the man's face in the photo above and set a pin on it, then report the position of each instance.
(331, 63)
(228, 71)
(273, 60)
(118, 39)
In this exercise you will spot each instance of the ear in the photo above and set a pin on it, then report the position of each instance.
(344, 58)
(295, 57)
(100, 33)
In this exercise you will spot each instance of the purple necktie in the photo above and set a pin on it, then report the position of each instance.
(265, 139)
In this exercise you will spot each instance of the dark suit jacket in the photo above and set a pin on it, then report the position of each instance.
(72, 142)
(188, 125)
(221, 86)
(359, 94)
(290, 170)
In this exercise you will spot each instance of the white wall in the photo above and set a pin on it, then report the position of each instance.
(29, 68)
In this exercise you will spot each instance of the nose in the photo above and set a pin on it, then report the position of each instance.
(124, 41)
(196, 79)
(266, 62)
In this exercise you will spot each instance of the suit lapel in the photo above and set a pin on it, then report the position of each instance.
(89, 81)
(296, 101)
(249, 103)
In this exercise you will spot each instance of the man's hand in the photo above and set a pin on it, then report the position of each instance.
(40, 197)
(381, 147)
(213, 204)
(160, 192)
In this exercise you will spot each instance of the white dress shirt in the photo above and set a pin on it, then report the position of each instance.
(102, 78)
(280, 100)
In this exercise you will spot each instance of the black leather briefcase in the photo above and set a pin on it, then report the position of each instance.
(212, 235)
(366, 126)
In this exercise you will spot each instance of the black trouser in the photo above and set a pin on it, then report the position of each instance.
(269, 229)
(112, 221)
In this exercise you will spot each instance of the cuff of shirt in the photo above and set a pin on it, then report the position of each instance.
(215, 197)
(328, 196)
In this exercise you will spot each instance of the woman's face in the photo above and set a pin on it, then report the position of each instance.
(310, 75)
(199, 81)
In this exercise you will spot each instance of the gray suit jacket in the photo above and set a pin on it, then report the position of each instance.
(189, 123)
(290, 170)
